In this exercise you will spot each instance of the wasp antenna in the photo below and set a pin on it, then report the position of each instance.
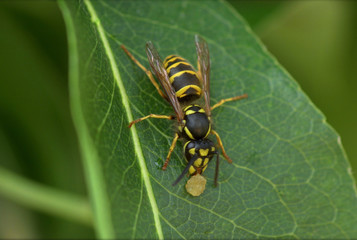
(193, 159)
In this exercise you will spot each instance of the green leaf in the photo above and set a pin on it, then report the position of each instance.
(290, 177)
(326, 68)
(38, 144)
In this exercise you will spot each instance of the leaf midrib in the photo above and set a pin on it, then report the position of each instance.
(125, 100)
(91, 164)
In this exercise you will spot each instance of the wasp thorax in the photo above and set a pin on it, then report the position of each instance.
(196, 123)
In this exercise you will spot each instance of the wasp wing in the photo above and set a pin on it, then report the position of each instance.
(204, 69)
(161, 74)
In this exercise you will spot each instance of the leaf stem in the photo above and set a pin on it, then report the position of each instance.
(43, 198)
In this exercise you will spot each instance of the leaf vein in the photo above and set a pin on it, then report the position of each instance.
(125, 101)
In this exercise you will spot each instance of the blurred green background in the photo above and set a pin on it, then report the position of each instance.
(314, 40)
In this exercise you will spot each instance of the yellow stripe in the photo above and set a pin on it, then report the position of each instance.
(180, 92)
(184, 146)
(188, 133)
(192, 151)
(172, 60)
(189, 112)
(170, 56)
(187, 107)
(209, 130)
(204, 152)
(206, 161)
(172, 78)
(198, 162)
(176, 64)
(192, 105)
(192, 170)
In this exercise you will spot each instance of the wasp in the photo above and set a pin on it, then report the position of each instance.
(182, 85)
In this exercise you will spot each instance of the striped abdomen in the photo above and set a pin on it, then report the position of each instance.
(203, 149)
(183, 78)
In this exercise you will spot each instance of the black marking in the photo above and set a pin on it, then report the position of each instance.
(184, 80)
(180, 67)
(179, 59)
(195, 108)
(168, 58)
(204, 144)
(198, 125)
(189, 95)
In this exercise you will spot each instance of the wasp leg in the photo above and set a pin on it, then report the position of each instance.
(221, 145)
(150, 116)
(217, 170)
(173, 144)
(148, 73)
(229, 100)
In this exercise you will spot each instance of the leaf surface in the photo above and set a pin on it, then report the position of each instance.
(289, 177)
